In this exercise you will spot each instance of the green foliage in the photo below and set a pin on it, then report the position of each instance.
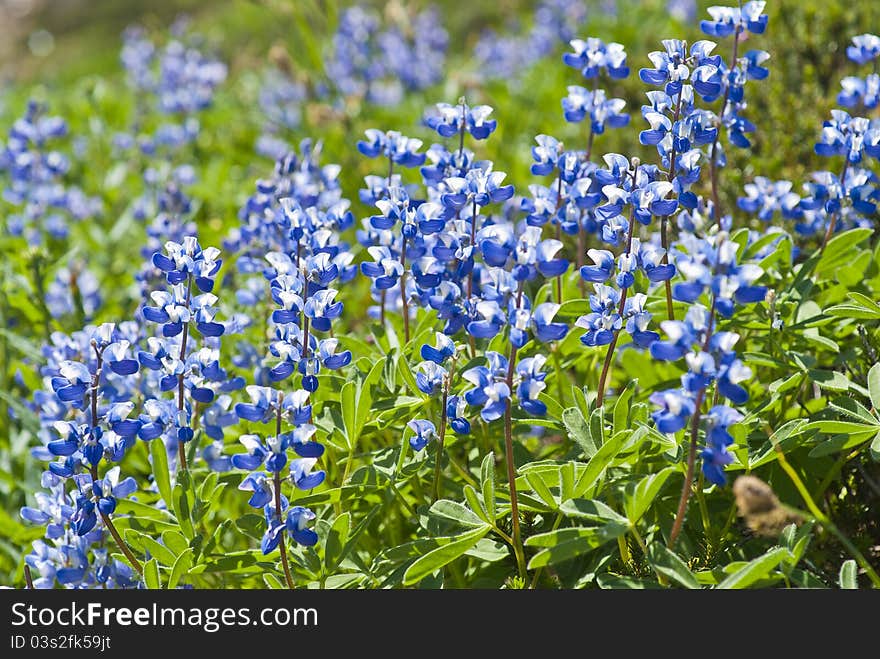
(598, 486)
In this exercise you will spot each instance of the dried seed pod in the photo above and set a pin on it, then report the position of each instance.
(761, 508)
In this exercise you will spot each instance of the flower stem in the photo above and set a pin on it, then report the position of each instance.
(282, 545)
(609, 355)
(438, 460)
(277, 482)
(832, 224)
(581, 260)
(713, 157)
(508, 449)
(181, 446)
(121, 543)
(28, 580)
(692, 449)
(559, 235)
(470, 281)
(664, 221)
(403, 300)
(689, 474)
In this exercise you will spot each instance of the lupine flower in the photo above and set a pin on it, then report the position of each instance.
(397, 148)
(507, 55)
(424, 431)
(864, 48)
(297, 519)
(591, 56)
(370, 60)
(843, 135)
(35, 184)
(487, 392)
(449, 120)
(726, 20)
(766, 198)
(715, 455)
(864, 91)
(602, 111)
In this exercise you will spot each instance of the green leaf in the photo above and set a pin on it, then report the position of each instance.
(622, 405)
(874, 386)
(875, 448)
(151, 575)
(840, 249)
(408, 377)
(840, 427)
(181, 567)
(597, 425)
(579, 431)
(142, 510)
(841, 443)
(754, 570)
(160, 469)
(639, 497)
(176, 542)
(487, 484)
(597, 464)
(180, 501)
(848, 572)
(470, 495)
(455, 512)
(852, 311)
(159, 551)
(565, 544)
(539, 487)
(348, 400)
(272, 582)
(26, 347)
(336, 539)
(830, 380)
(451, 548)
(609, 580)
(853, 409)
(669, 564)
(593, 510)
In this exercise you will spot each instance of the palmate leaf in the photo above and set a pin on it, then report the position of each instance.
(754, 570)
(450, 549)
(565, 544)
(669, 564)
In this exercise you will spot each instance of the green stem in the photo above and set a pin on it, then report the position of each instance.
(823, 519)
(536, 577)
(438, 460)
(508, 449)
(277, 482)
(834, 472)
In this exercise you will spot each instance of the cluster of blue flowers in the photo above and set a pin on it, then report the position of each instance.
(858, 91)
(85, 410)
(833, 200)
(172, 84)
(34, 176)
(460, 249)
(379, 63)
(280, 100)
(290, 257)
(506, 56)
